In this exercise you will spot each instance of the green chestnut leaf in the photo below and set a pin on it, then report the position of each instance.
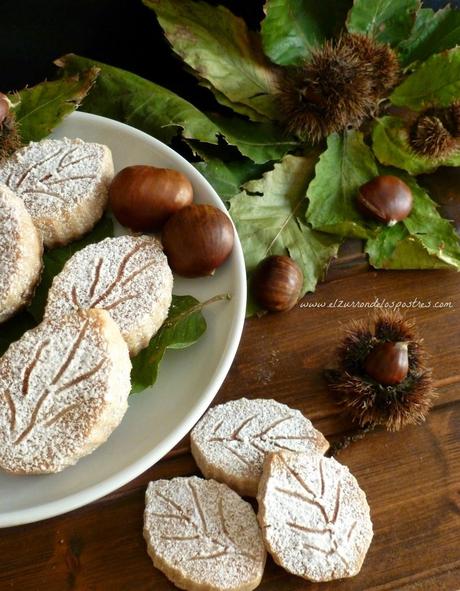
(227, 178)
(433, 32)
(268, 216)
(435, 83)
(183, 327)
(220, 49)
(388, 21)
(390, 142)
(39, 109)
(394, 248)
(131, 99)
(424, 240)
(260, 142)
(436, 234)
(292, 28)
(346, 165)
(158, 111)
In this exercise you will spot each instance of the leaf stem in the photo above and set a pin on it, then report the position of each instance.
(346, 440)
(196, 308)
(285, 223)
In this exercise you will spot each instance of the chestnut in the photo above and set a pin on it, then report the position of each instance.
(144, 197)
(385, 198)
(197, 239)
(4, 108)
(277, 283)
(388, 363)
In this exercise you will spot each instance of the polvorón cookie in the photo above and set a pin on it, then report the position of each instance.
(203, 536)
(63, 183)
(230, 442)
(128, 276)
(63, 389)
(314, 516)
(21, 252)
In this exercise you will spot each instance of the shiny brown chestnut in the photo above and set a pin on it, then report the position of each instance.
(385, 198)
(197, 240)
(388, 363)
(144, 197)
(4, 108)
(277, 283)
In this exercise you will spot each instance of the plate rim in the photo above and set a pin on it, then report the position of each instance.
(97, 491)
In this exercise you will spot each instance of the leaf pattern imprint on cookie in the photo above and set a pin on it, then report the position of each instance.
(55, 385)
(244, 434)
(219, 541)
(54, 169)
(330, 537)
(107, 298)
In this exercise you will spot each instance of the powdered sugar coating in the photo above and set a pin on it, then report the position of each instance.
(128, 276)
(314, 516)
(202, 535)
(230, 442)
(20, 254)
(63, 389)
(9, 239)
(63, 183)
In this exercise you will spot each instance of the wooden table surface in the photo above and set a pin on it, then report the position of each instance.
(412, 478)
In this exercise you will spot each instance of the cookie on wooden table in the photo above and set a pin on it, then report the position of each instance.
(21, 252)
(63, 183)
(230, 442)
(128, 276)
(64, 388)
(203, 536)
(314, 516)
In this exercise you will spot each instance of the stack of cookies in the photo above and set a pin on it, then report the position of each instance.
(64, 385)
(313, 518)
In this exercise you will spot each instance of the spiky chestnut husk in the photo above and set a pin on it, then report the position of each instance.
(430, 138)
(338, 87)
(10, 140)
(368, 402)
(385, 65)
(436, 132)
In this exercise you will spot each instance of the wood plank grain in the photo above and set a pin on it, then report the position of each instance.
(412, 478)
(282, 356)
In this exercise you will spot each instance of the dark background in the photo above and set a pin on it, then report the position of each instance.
(123, 33)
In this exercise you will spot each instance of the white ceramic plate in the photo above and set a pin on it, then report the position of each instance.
(159, 417)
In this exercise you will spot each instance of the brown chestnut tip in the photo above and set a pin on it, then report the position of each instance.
(388, 363)
(385, 198)
(376, 350)
(5, 106)
(197, 240)
(277, 283)
(4, 110)
(144, 197)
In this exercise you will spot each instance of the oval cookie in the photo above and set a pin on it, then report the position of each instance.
(127, 276)
(63, 389)
(231, 440)
(21, 252)
(63, 183)
(314, 516)
(202, 535)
